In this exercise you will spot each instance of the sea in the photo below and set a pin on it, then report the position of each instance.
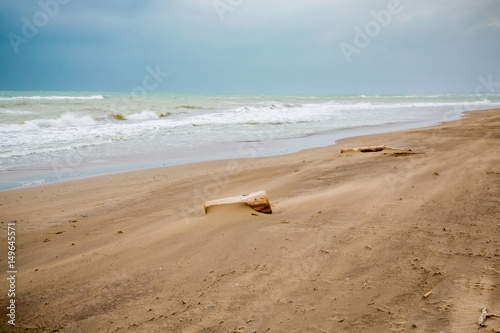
(53, 136)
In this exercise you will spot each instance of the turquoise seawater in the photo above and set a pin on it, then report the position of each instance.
(50, 136)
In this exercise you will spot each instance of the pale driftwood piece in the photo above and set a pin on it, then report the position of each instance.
(371, 149)
(364, 149)
(428, 294)
(257, 200)
(484, 315)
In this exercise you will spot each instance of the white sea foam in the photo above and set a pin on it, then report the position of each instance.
(14, 112)
(144, 115)
(64, 121)
(34, 132)
(262, 113)
(338, 114)
(401, 96)
(20, 98)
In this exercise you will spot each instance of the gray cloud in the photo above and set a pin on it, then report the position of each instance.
(259, 46)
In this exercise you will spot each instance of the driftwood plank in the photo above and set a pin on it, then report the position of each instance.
(371, 149)
(257, 200)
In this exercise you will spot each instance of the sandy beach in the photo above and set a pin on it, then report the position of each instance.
(354, 242)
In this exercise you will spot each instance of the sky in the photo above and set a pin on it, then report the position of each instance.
(250, 46)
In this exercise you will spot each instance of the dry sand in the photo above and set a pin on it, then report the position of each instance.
(353, 244)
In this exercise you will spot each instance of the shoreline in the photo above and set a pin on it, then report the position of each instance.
(28, 177)
(354, 242)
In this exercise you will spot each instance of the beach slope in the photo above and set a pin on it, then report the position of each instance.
(354, 243)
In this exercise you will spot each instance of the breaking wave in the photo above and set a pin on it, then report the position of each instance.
(49, 98)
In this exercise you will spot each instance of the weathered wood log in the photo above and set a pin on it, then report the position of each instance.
(484, 315)
(257, 200)
(371, 149)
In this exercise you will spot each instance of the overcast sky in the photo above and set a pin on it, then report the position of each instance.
(250, 46)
